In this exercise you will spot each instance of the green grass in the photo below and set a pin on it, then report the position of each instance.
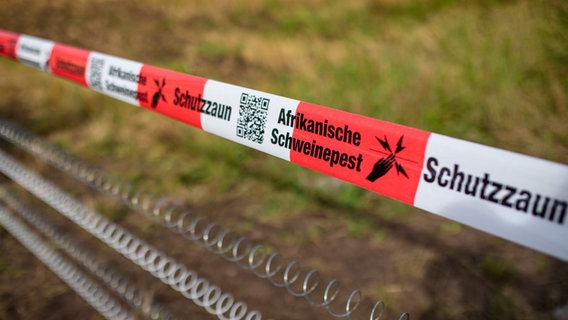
(500, 272)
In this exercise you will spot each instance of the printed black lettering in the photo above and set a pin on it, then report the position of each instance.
(558, 206)
(297, 144)
(348, 136)
(457, 174)
(443, 171)
(356, 138)
(301, 122)
(310, 125)
(338, 133)
(317, 152)
(506, 199)
(282, 140)
(430, 163)
(485, 188)
(176, 96)
(206, 107)
(313, 149)
(322, 128)
(523, 203)
(274, 137)
(540, 212)
(126, 75)
(282, 117)
(127, 92)
(197, 103)
(307, 147)
(485, 182)
(290, 118)
(470, 186)
(31, 63)
(326, 154)
(214, 108)
(359, 161)
(29, 49)
(352, 162)
(493, 195)
(226, 114)
(288, 140)
(69, 67)
(333, 157)
(343, 159)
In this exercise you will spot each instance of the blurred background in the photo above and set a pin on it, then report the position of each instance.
(489, 71)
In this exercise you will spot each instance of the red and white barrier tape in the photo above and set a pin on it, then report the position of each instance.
(517, 197)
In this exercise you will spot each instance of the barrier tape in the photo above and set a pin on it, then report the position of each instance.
(517, 197)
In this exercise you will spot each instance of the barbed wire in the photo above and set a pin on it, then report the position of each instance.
(91, 292)
(118, 282)
(257, 258)
(171, 272)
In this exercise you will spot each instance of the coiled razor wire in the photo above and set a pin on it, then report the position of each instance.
(168, 270)
(217, 239)
(95, 296)
(110, 276)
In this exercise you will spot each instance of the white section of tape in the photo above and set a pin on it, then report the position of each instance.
(247, 116)
(114, 76)
(34, 52)
(514, 196)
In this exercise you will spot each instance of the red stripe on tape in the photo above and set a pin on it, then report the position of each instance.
(8, 41)
(173, 94)
(69, 62)
(380, 156)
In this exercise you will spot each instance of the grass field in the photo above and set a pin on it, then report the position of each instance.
(489, 71)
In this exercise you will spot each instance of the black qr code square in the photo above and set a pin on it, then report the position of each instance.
(96, 73)
(251, 123)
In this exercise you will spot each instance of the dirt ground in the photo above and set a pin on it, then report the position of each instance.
(414, 261)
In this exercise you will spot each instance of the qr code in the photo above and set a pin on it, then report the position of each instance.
(96, 73)
(251, 123)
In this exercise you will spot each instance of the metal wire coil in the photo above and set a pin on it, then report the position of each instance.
(119, 283)
(168, 270)
(217, 239)
(92, 293)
